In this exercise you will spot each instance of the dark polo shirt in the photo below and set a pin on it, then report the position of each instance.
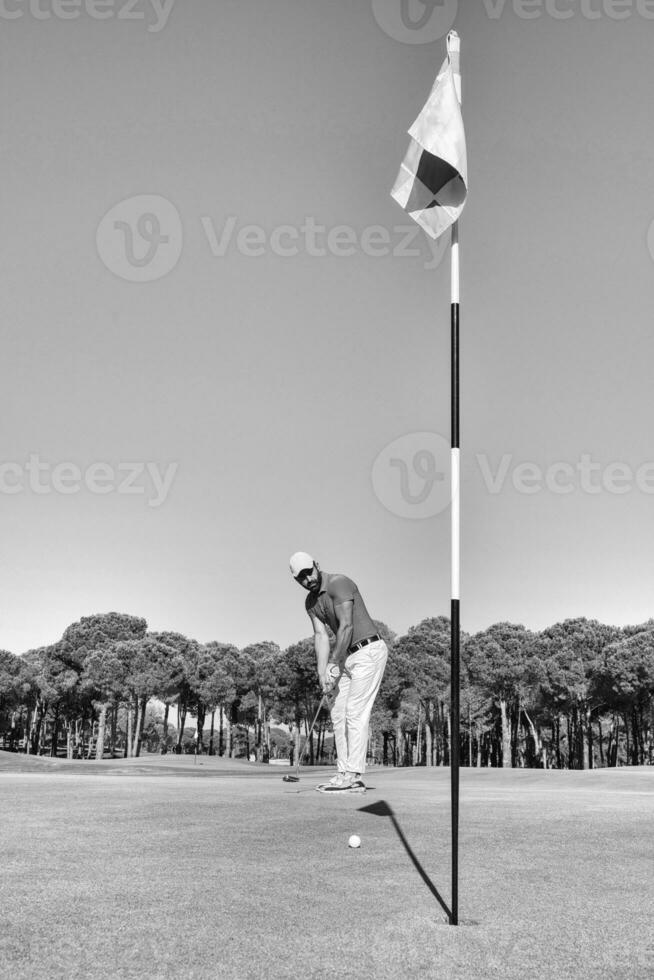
(335, 589)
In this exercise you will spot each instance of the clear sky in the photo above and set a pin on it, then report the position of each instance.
(186, 400)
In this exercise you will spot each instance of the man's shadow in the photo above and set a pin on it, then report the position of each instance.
(382, 809)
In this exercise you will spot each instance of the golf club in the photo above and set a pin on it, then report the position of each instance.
(296, 777)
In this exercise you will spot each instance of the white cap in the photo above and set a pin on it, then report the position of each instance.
(299, 561)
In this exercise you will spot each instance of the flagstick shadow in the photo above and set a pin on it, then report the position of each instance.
(382, 809)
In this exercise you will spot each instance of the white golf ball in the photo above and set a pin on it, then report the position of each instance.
(354, 841)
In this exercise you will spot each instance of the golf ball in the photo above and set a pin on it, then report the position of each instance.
(354, 841)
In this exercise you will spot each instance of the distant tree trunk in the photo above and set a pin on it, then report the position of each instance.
(626, 732)
(228, 732)
(199, 732)
(577, 742)
(28, 729)
(443, 734)
(496, 750)
(102, 724)
(556, 738)
(417, 754)
(599, 740)
(164, 734)
(647, 737)
(78, 748)
(136, 709)
(259, 728)
(430, 725)
(399, 760)
(141, 704)
(55, 733)
(114, 727)
(635, 729)
(130, 730)
(515, 735)
(589, 734)
(469, 737)
(429, 734)
(535, 736)
(213, 720)
(37, 727)
(614, 735)
(92, 738)
(582, 736)
(221, 744)
(506, 736)
(181, 723)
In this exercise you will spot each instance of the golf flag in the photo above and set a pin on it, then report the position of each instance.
(433, 180)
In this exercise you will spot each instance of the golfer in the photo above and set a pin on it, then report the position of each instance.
(354, 668)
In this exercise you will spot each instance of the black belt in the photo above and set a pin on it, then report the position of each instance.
(364, 642)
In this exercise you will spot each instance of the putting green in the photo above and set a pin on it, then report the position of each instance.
(167, 867)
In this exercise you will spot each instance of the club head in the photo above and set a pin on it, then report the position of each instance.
(291, 779)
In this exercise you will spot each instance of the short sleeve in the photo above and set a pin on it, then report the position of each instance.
(341, 589)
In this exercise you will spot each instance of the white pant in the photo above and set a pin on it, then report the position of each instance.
(355, 697)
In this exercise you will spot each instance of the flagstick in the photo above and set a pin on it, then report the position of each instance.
(454, 612)
(437, 161)
(454, 44)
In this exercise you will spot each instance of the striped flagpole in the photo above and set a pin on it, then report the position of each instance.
(454, 47)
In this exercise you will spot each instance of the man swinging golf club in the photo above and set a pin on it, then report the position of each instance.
(353, 670)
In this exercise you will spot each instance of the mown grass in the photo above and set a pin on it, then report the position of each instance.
(169, 868)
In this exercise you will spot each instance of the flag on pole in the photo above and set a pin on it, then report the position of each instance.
(433, 180)
(432, 186)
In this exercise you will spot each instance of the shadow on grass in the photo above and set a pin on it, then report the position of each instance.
(382, 809)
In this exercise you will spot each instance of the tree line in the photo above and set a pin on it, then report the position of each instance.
(577, 695)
